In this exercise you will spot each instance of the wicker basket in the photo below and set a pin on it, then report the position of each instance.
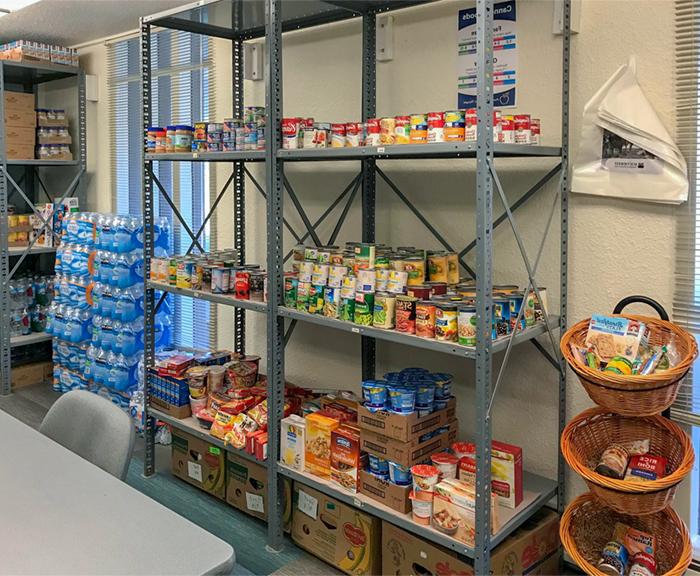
(587, 526)
(634, 395)
(586, 437)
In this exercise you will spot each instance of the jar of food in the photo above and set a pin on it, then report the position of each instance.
(183, 138)
(170, 138)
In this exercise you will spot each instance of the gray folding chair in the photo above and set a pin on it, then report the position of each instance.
(93, 428)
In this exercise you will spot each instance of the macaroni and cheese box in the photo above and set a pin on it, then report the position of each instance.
(346, 458)
(506, 473)
(317, 452)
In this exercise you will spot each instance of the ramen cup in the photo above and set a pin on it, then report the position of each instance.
(421, 509)
(446, 463)
(425, 477)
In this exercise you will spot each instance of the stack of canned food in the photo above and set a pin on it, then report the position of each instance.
(450, 126)
(405, 289)
(215, 272)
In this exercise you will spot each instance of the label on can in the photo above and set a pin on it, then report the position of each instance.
(419, 129)
(348, 290)
(352, 135)
(347, 308)
(446, 323)
(384, 310)
(316, 299)
(303, 292)
(364, 308)
(406, 314)
(437, 267)
(436, 127)
(290, 133)
(507, 129)
(320, 274)
(306, 270)
(242, 284)
(220, 280)
(338, 135)
(372, 137)
(466, 326)
(366, 281)
(470, 121)
(382, 279)
(535, 131)
(402, 130)
(397, 281)
(521, 125)
(387, 131)
(425, 319)
(336, 274)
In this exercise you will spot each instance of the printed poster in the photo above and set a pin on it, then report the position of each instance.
(505, 56)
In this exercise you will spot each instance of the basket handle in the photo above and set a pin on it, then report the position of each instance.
(642, 300)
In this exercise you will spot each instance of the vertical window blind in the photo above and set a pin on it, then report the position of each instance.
(182, 88)
(686, 305)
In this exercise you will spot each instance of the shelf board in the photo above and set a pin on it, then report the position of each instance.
(191, 426)
(415, 341)
(26, 72)
(33, 338)
(238, 156)
(19, 250)
(537, 491)
(43, 162)
(204, 295)
(409, 151)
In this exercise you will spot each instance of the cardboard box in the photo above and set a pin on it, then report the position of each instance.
(246, 489)
(30, 374)
(338, 534)
(20, 117)
(179, 412)
(54, 139)
(20, 135)
(19, 101)
(404, 428)
(385, 492)
(407, 453)
(199, 463)
(532, 549)
(17, 151)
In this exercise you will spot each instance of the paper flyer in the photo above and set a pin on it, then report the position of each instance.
(505, 56)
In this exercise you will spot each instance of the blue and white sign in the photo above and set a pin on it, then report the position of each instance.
(505, 56)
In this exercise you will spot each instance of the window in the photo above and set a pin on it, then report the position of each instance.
(686, 306)
(182, 73)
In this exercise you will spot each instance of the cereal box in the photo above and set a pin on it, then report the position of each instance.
(506, 473)
(614, 336)
(317, 453)
(346, 458)
(292, 442)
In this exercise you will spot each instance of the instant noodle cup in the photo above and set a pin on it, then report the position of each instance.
(443, 385)
(446, 463)
(421, 508)
(425, 477)
(462, 449)
(425, 395)
(402, 399)
(378, 466)
(374, 394)
(400, 475)
(216, 378)
(198, 405)
(198, 391)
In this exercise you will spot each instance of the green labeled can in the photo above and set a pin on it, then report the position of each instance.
(347, 309)
(316, 299)
(303, 294)
(364, 308)
(384, 310)
(466, 325)
(290, 292)
(331, 302)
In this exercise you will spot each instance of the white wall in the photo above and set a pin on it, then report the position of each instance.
(616, 248)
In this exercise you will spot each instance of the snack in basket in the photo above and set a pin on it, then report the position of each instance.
(619, 365)
(646, 467)
(634, 540)
(615, 336)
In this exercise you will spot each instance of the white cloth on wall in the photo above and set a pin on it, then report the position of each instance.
(625, 151)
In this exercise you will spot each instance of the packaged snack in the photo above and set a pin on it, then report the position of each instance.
(634, 540)
(613, 462)
(237, 406)
(615, 336)
(259, 414)
(645, 467)
(318, 444)
(223, 424)
(619, 365)
(242, 425)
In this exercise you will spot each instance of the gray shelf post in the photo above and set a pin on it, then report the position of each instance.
(369, 110)
(484, 257)
(5, 376)
(149, 306)
(274, 178)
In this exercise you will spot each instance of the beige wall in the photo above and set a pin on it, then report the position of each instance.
(616, 248)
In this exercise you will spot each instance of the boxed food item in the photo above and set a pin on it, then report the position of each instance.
(20, 135)
(337, 533)
(454, 508)
(346, 458)
(412, 452)
(531, 549)
(19, 101)
(385, 492)
(19, 151)
(199, 463)
(20, 117)
(404, 426)
(506, 472)
(343, 405)
(292, 437)
(615, 336)
(317, 453)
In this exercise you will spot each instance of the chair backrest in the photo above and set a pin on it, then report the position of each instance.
(93, 428)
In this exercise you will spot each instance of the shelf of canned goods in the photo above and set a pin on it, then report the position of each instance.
(25, 182)
(270, 19)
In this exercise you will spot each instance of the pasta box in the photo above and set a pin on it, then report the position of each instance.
(385, 492)
(335, 532)
(199, 463)
(412, 452)
(404, 427)
(531, 549)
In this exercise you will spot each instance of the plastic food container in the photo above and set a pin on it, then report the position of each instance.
(443, 385)
(463, 449)
(374, 394)
(446, 463)
(197, 405)
(425, 395)
(421, 508)
(441, 404)
(378, 466)
(425, 477)
(402, 399)
(400, 475)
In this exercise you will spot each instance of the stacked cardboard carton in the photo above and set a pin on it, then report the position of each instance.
(20, 126)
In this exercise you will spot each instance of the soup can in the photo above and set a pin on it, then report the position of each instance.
(446, 321)
(384, 310)
(436, 127)
(425, 319)
(373, 130)
(466, 325)
(347, 308)
(415, 268)
(220, 280)
(338, 135)
(501, 318)
(535, 127)
(402, 130)
(437, 266)
(353, 134)
(290, 292)
(306, 271)
(419, 129)
(454, 126)
(242, 284)
(406, 314)
(420, 291)
(508, 129)
(521, 126)
(470, 122)
(331, 302)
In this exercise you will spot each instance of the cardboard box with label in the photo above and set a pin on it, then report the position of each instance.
(19, 101)
(19, 151)
(246, 489)
(20, 117)
(388, 493)
(335, 532)
(404, 427)
(20, 135)
(199, 463)
(532, 549)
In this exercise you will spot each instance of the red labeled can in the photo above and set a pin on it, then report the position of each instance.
(353, 130)
(242, 284)
(373, 130)
(521, 125)
(508, 129)
(307, 123)
(497, 136)
(402, 130)
(420, 291)
(535, 131)
(470, 125)
(436, 127)
(338, 132)
(290, 133)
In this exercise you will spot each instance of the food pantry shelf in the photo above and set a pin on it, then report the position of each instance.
(435, 150)
(19, 250)
(537, 491)
(238, 156)
(35, 72)
(410, 339)
(204, 295)
(39, 162)
(33, 338)
(191, 426)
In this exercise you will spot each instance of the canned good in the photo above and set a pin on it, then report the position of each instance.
(242, 284)
(501, 318)
(353, 132)
(331, 302)
(338, 135)
(497, 136)
(336, 275)
(303, 293)
(437, 267)
(257, 286)
(425, 319)
(364, 308)
(420, 291)
(366, 281)
(299, 253)
(220, 280)
(348, 289)
(290, 133)
(365, 256)
(381, 261)
(373, 130)
(521, 126)
(508, 129)
(311, 253)
(197, 279)
(466, 325)
(347, 308)
(384, 310)
(397, 281)
(535, 127)
(402, 130)
(415, 268)
(470, 122)
(516, 303)
(184, 274)
(382, 284)
(530, 308)
(306, 271)
(290, 292)
(316, 299)
(446, 321)
(387, 131)
(437, 288)
(320, 274)
(406, 314)
(436, 127)
(323, 256)
(419, 129)
(454, 126)
(452, 268)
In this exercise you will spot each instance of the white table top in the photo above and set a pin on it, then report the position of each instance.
(59, 514)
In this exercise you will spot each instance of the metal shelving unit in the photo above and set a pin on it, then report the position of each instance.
(239, 20)
(24, 178)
